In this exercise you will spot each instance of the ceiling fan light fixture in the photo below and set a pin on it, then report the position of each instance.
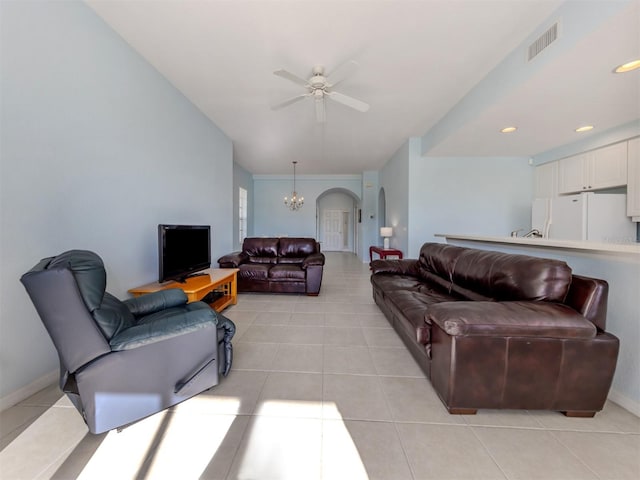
(627, 67)
(509, 129)
(320, 87)
(584, 128)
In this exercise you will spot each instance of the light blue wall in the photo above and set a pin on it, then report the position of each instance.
(474, 196)
(394, 178)
(273, 218)
(97, 149)
(244, 179)
(369, 206)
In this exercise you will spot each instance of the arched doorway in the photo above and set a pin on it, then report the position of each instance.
(337, 220)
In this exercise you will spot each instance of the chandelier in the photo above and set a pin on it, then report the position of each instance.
(295, 202)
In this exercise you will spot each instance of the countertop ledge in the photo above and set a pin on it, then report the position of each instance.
(630, 248)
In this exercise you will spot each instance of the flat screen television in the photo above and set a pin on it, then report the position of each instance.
(183, 250)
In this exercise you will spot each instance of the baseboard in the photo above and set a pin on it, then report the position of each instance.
(28, 390)
(625, 402)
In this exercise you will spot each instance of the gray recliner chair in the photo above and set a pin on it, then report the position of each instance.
(121, 361)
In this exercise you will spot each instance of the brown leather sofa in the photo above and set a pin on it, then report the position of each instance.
(501, 331)
(277, 265)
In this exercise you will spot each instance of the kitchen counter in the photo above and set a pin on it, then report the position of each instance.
(630, 248)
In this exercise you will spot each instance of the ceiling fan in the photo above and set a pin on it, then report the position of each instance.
(320, 87)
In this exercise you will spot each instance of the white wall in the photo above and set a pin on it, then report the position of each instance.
(96, 149)
(273, 218)
(475, 196)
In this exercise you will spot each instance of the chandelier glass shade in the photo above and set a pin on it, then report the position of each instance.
(295, 202)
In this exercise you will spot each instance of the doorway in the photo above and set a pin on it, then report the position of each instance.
(337, 224)
(336, 230)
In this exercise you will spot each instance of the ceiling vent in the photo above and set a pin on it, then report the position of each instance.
(543, 41)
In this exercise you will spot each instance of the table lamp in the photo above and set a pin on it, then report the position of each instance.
(386, 232)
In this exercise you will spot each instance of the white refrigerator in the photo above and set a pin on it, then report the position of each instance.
(596, 217)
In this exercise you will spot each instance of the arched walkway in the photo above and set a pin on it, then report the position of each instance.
(337, 220)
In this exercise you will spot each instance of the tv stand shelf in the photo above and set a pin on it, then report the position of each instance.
(222, 280)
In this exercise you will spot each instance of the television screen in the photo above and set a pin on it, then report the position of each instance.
(183, 250)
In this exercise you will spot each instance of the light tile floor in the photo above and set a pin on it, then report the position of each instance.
(321, 388)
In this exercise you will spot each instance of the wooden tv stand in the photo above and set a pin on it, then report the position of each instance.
(197, 287)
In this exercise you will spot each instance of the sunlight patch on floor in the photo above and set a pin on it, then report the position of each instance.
(340, 457)
(170, 444)
(290, 408)
(289, 447)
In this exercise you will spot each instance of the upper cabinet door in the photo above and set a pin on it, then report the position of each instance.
(546, 180)
(572, 173)
(633, 185)
(608, 167)
(602, 168)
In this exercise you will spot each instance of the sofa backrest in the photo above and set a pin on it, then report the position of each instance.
(295, 250)
(488, 275)
(261, 250)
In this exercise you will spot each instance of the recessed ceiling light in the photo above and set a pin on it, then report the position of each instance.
(627, 67)
(509, 129)
(584, 128)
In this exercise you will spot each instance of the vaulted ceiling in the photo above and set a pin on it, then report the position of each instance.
(453, 71)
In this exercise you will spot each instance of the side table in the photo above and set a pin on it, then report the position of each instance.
(383, 252)
(223, 280)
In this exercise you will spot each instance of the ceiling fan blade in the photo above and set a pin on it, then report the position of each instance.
(348, 101)
(341, 72)
(291, 77)
(320, 113)
(286, 103)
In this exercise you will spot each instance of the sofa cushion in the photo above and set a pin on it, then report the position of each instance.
(254, 271)
(487, 275)
(295, 250)
(261, 250)
(439, 259)
(510, 319)
(286, 271)
(512, 277)
(412, 308)
(387, 283)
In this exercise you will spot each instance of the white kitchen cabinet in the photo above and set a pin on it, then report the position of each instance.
(595, 170)
(546, 180)
(633, 180)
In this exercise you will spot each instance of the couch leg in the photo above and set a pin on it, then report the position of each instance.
(462, 411)
(579, 414)
(313, 294)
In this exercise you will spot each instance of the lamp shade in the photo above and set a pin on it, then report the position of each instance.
(386, 231)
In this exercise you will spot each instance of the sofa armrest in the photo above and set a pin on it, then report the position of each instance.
(396, 267)
(155, 301)
(316, 259)
(163, 329)
(510, 319)
(233, 260)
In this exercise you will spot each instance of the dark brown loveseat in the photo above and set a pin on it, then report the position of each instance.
(501, 331)
(279, 265)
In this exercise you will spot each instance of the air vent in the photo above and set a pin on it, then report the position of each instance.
(543, 41)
